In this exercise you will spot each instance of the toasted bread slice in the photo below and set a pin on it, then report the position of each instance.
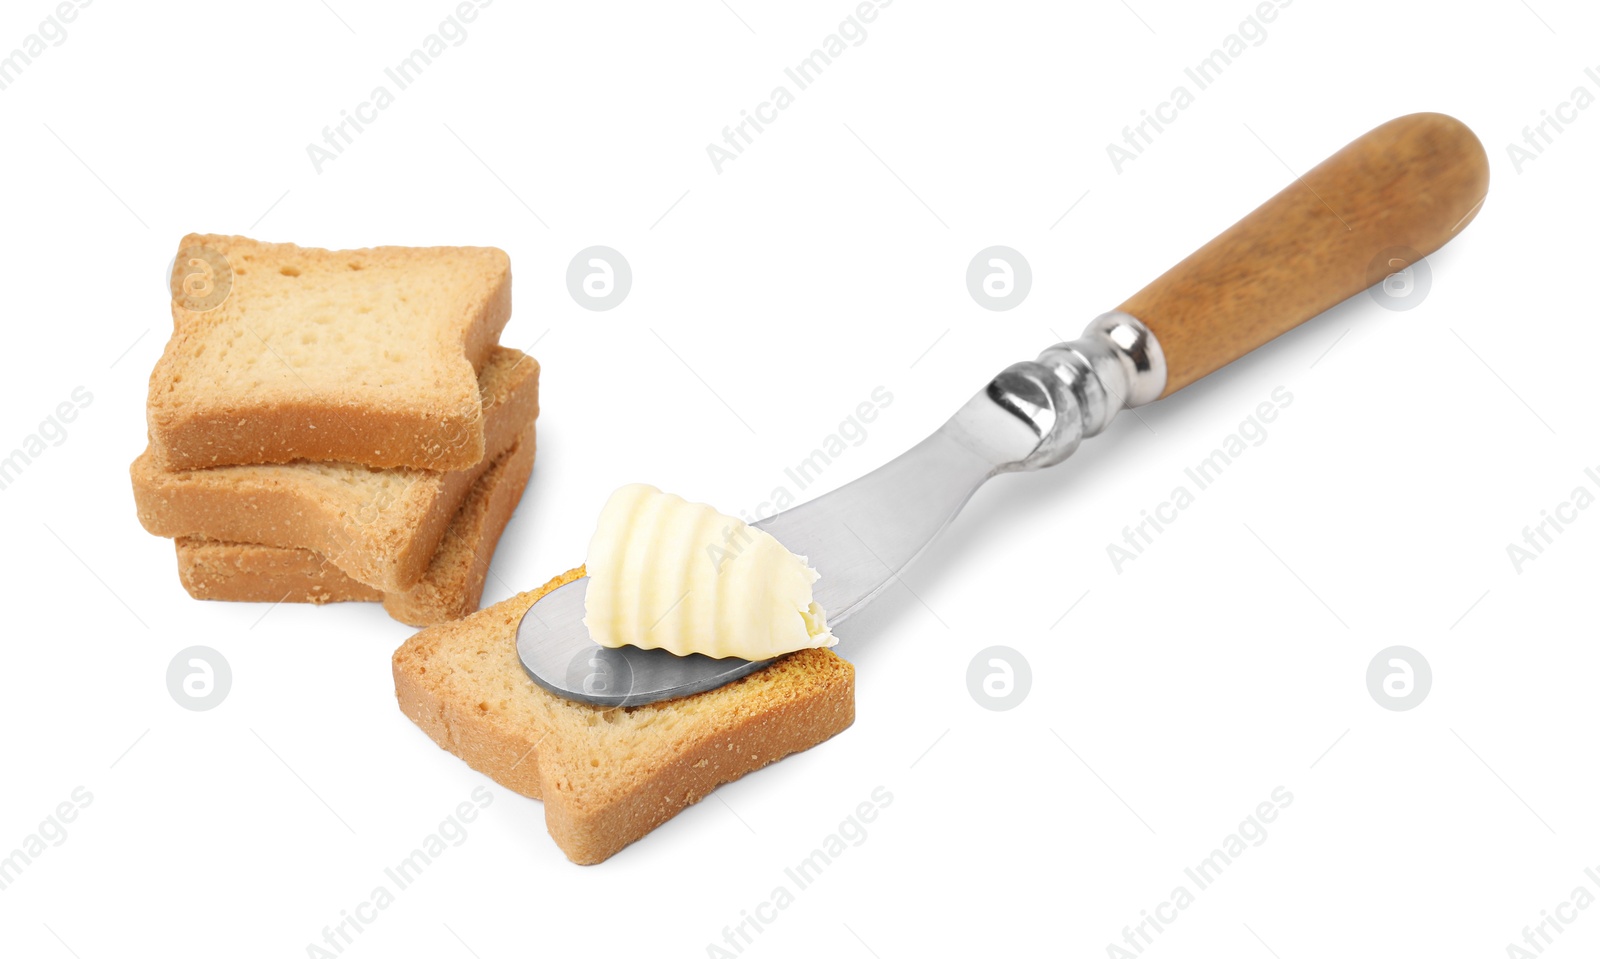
(380, 526)
(282, 353)
(607, 776)
(250, 573)
(450, 589)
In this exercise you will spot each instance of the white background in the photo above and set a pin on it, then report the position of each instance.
(1226, 661)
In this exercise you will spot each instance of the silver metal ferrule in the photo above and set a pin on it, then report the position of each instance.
(1074, 389)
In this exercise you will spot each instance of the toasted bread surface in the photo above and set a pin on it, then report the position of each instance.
(450, 589)
(282, 353)
(379, 526)
(607, 776)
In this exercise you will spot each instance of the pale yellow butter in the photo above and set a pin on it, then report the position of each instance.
(670, 574)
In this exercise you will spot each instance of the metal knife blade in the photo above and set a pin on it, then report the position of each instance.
(857, 537)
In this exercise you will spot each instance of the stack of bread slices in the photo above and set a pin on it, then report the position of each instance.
(329, 426)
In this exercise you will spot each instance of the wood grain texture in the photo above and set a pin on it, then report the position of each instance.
(1412, 184)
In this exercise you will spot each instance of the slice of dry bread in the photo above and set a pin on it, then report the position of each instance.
(250, 573)
(369, 356)
(607, 776)
(380, 526)
(450, 589)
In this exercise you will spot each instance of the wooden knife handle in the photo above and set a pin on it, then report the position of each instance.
(1411, 184)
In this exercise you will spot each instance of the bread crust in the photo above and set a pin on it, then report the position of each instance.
(346, 421)
(249, 573)
(380, 529)
(451, 587)
(607, 776)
